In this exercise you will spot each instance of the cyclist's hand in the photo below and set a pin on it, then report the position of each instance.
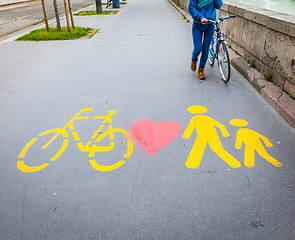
(204, 21)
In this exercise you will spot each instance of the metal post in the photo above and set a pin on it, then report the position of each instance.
(56, 15)
(98, 6)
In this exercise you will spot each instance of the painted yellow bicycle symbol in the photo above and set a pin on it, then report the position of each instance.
(91, 146)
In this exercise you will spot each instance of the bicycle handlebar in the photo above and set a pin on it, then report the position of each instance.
(227, 17)
(222, 18)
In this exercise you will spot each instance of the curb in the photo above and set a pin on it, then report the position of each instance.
(15, 3)
(274, 95)
(21, 28)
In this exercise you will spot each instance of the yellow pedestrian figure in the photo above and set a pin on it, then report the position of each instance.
(206, 133)
(252, 142)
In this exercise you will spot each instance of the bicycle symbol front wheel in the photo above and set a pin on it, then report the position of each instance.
(111, 167)
(25, 168)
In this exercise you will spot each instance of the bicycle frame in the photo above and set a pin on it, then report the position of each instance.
(218, 50)
(219, 38)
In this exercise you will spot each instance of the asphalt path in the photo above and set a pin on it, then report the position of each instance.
(138, 65)
(16, 17)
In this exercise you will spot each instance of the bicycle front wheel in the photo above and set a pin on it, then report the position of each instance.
(223, 62)
(211, 54)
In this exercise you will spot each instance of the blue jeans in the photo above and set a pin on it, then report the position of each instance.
(200, 31)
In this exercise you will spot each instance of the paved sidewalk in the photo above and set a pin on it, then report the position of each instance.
(137, 68)
(281, 101)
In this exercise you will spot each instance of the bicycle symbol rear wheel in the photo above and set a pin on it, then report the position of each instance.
(25, 168)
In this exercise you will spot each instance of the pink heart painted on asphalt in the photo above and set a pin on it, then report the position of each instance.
(154, 136)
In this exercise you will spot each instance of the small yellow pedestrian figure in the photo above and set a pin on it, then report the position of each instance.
(206, 133)
(252, 142)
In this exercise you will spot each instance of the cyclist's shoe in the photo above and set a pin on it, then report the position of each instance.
(193, 65)
(201, 74)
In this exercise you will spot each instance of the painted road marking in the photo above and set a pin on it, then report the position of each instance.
(123, 8)
(90, 147)
(206, 134)
(152, 137)
(252, 142)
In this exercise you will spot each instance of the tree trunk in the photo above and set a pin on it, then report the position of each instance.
(45, 15)
(67, 15)
(98, 6)
(56, 15)
(71, 13)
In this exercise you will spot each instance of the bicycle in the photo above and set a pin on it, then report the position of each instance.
(219, 50)
(109, 3)
(89, 147)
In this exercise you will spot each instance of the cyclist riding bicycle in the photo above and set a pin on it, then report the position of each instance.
(202, 30)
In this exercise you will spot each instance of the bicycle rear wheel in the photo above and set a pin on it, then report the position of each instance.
(211, 54)
(25, 168)
(223, 62)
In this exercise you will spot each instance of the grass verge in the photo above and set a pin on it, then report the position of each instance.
(85, 13)
(54, 34)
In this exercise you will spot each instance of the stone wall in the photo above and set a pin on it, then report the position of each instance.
(263, 36)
